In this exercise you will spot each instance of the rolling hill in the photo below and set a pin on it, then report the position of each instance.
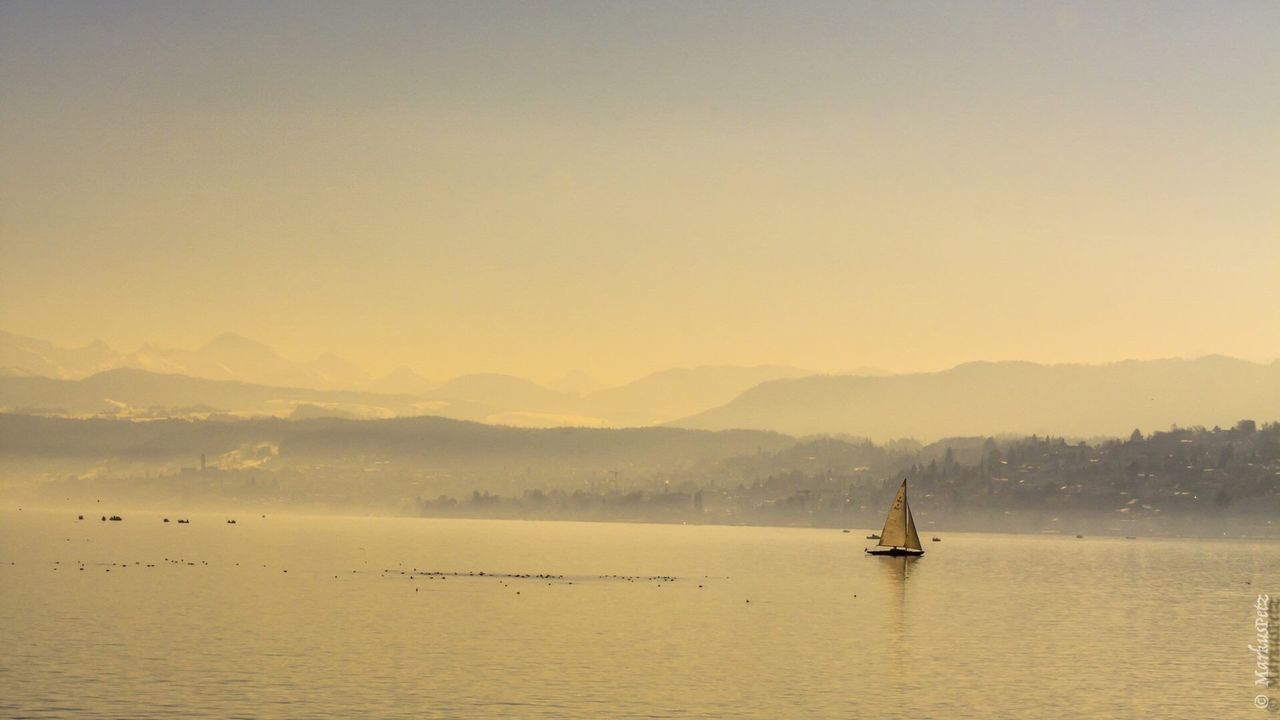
(989, 398)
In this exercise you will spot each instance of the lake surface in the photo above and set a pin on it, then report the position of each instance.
(292, 616)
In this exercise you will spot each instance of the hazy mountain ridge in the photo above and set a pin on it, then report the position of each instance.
(21, 355)
(991, 398)
(978, 398)
(402, 380)
(124, 391)
(282, 385)
(489, 398)
(678, 392)
(226, 357)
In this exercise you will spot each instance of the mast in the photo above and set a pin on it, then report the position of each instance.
(894, 533)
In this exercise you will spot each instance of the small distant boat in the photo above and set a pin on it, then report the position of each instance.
(844, 531)
(231, 522)
(116, 518)
(937, 539)
(182, 521)
(899, 536)
(873, 536)
(1079, 536)
(166, 519)
(81, 517)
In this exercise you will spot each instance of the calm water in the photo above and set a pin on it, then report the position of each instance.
(981, 627)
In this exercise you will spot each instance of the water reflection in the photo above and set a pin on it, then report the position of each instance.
(895, 571)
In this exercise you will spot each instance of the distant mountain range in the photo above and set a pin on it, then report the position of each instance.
(679, 392)
(127, 392)
(235, 375)
(485, 397)
(226, 357)
(987, 398)
(28, 356)
(494, 399)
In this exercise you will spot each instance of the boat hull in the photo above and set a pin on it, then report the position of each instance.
(894, 551)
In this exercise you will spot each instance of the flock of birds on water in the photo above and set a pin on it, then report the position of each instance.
(549, 578)
(181, 521)
(413, 574)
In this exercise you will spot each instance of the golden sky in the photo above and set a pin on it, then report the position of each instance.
(537, 187)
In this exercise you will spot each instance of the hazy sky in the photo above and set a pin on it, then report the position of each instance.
(619, 187)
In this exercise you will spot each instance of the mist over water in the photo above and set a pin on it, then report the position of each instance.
(1195, 482)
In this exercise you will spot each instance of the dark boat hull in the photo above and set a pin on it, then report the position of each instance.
(894, 552)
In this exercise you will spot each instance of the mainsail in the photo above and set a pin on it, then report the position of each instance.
(899, 526)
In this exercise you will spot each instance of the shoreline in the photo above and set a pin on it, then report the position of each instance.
(858, 533)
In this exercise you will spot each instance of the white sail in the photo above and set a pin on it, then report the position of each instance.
(899, 527)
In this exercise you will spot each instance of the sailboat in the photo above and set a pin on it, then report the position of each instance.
(899, 535)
